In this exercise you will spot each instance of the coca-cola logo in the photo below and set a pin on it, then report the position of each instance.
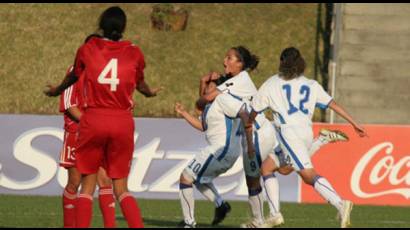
(387, 170)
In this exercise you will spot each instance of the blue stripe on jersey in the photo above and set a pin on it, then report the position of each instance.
(281, 119)
(228, 123)
(257, 149)
(204, 124)
(292, 154)
(204, 167)
(323, 106)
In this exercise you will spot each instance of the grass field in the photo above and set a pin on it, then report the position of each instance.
(38, 211)
(40, 41)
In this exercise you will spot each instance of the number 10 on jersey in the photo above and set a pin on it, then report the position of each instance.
(112, 80)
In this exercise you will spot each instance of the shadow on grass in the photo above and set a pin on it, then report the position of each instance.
(174, 224)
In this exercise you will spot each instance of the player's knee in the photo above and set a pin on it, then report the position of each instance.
(265, 171)
(186, 179)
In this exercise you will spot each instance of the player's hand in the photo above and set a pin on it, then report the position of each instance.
(360, 131)
(179, 108)
(214, 76)
(51, 91)
(155, 91)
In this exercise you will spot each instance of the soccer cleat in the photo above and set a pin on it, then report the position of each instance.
(333, 135)
(273, 221)
(252, 224)
(182, 224)
(220, 213)
(345, 214)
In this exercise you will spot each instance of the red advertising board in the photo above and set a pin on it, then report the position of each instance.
(373, 170)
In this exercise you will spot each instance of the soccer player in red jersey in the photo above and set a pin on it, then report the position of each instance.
(71, 104)
(112, 69)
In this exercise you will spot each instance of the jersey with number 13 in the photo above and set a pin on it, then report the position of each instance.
(111, 70)
(294, 100)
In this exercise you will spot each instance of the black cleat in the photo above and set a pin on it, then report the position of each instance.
(220, 213)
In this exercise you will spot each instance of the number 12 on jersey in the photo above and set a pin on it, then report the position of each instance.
(113, 81)
(304, 91)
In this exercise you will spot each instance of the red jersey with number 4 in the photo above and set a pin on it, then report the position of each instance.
(71, 97)
(111, 71)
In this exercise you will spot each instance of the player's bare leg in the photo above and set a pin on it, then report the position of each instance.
(271, 186)
(129, 205)
(70, 197)
(186, 195)
(106, 198)
(325, 189)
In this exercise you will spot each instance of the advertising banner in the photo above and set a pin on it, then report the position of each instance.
(371, 170)
(30, 147)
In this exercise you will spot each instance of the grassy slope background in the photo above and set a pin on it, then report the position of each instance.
(39, 42)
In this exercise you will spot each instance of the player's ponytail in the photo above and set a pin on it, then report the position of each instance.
(292, 64)
(112, 22)
(249, 60)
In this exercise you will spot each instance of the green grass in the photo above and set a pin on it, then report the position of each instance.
(39, 211)
(39, 42)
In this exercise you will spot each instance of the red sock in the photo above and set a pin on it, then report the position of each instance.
(107, 206)
(69, 201)
(84, 211)
(130, 210)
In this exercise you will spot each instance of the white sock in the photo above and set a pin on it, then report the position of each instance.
(325, 189)
(211, 193)
(317, 144)
(271, 186)
(186, 195)
(256, 203)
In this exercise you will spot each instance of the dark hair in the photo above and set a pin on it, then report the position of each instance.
(249, 60)
(292, 64)
(113, 21)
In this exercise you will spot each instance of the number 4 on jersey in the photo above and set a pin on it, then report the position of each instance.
(113, 81)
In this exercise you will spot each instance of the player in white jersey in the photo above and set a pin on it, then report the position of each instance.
(221, 125)
(293, 98)
(237, 62)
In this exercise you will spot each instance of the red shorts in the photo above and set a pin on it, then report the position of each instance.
(106, 139)
(67, 154)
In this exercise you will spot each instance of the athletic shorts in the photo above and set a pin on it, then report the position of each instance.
(106, 139)
(67, 154)
(209, 163)
(295, 142)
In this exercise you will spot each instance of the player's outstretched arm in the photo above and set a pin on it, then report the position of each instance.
(53, 91)
(339, 110)
(144, 88)
(193, 121)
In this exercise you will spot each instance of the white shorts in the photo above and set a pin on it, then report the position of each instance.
(295, 141)
(211, 162)
(265, 142)
(280, 158)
